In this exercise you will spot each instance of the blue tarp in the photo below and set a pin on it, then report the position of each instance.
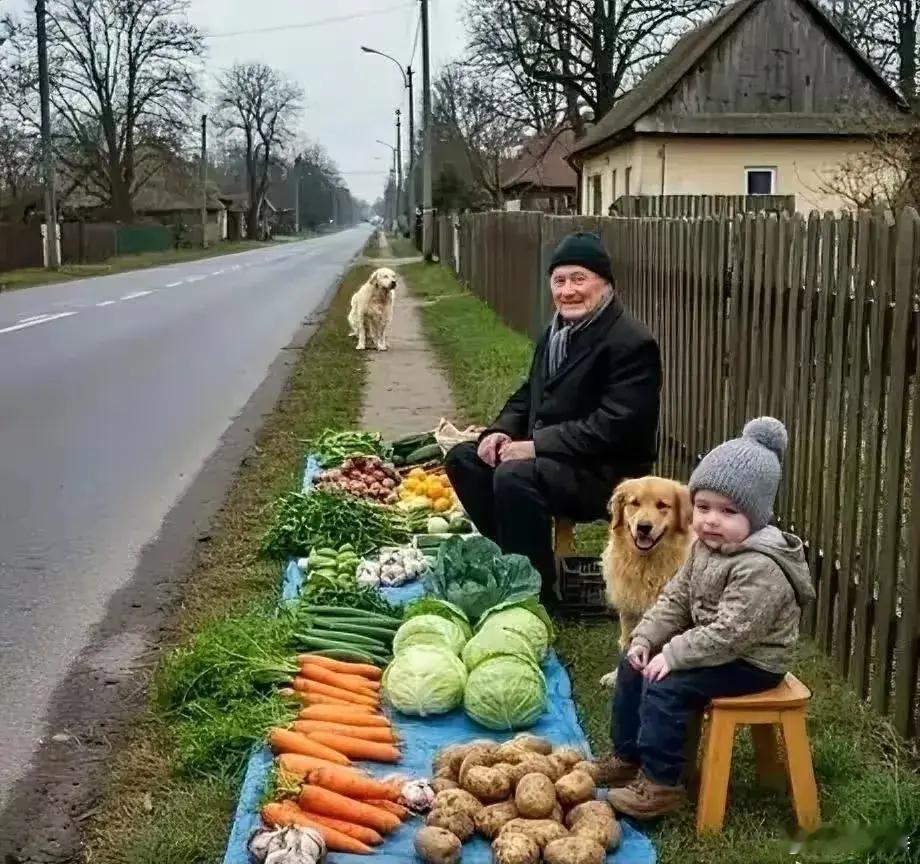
(421, 740)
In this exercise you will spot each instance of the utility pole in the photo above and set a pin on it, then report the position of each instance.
(51, 248)
(410, 198)
(204, 181)
(427, 215)
(399, 176)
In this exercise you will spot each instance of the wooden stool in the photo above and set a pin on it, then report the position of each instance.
(564, 539)
(784, 707)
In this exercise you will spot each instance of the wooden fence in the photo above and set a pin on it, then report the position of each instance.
(701, 206)
(814, 320)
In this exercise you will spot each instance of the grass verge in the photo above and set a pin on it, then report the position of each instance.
(865, 772)
(31, 276)
(150, 814)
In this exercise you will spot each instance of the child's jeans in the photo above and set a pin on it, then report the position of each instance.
(650, 721)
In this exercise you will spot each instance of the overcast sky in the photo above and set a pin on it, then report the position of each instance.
(350, 96)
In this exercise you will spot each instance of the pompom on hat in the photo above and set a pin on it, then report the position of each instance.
(746, 470)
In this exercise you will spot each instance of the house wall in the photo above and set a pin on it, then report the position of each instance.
(716, 166)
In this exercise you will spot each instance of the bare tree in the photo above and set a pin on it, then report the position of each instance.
(589, 52)
(257, 109)
(122, 81)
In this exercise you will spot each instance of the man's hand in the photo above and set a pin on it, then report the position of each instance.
(489, 447)
(517, 450)
(657, 669)
(638, 657)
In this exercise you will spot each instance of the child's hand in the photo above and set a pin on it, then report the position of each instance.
(638, 657)
(657, 669)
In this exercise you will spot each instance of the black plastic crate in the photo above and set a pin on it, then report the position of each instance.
(580, 589)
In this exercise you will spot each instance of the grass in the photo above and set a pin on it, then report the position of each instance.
(31, 276)
(867, 775)
(149, 812)
(402, 247)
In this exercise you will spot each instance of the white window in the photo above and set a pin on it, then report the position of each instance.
(760, 181)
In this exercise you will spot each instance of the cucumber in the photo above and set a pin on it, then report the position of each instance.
(349, 612)
(345, 626)
(325, 645)
(404, 446)
(347, 548)
(424, 454)
(353, 639)
(326, 552)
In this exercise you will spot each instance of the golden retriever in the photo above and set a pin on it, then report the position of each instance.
(372, 309)
(650, 537)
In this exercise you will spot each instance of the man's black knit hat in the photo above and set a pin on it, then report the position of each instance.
(586, 250)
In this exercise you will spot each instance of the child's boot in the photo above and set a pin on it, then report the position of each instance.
(645, 799)
(613, 772)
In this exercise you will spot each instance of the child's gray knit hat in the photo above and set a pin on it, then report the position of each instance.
(746, 470)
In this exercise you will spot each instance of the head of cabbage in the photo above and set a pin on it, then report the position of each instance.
(498, 639)
(429, 630)
(424, 680)
(526, 618)
(505, 691)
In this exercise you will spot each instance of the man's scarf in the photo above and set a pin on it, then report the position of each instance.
(560, 332)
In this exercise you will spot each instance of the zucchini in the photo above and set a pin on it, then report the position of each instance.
(424, 454)
(353, 639)
(346, 626)
(402, 447)
(324, 645)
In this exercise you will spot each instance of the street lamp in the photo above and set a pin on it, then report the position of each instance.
(407, 82)
(395, 176)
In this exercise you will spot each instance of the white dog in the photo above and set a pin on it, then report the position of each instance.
(372, 309)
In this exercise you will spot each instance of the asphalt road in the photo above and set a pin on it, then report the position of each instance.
(113, 394)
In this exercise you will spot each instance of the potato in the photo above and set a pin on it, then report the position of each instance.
(457, 799)
(570, 756)
(532, 742)
(597, 809)
(458, 822)
(535, 796)
(592, 769)
(605, 832)
(447, 762)
(574, 850)
(508, 771)
(476, 756)
(542, 831)
(487, 784)
(515, 849)
(437, 846)
(537, 764)
(441, 784)
(560, 767)
(557, 814)
(574, 789)
(512, 753)
(490, 820)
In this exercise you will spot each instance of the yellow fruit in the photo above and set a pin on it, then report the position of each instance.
(434, 489)
(442, 505)
(416, 473)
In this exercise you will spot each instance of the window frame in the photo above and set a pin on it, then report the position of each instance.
(759, 169)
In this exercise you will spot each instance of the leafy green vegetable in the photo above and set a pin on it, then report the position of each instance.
(497, 640)
(505, 691)
(429, 630)
(333, 447)
(424, 680)
(526, 617)
(474, 575)
(434, 606)
(350, 597)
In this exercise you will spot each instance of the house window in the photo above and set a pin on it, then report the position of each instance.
(760, 181)
(627, 176)
(613, 186)
(597, 194)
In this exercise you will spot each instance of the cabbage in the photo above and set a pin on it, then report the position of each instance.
(498, 639)
(433, 606)
(429, 630)
(424, 680)
(505, 691)
(528, 618)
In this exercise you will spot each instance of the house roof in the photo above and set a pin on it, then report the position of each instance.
(542, 163)
(690, 50)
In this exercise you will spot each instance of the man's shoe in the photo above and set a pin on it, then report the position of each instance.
(614, 772)
(645, 799)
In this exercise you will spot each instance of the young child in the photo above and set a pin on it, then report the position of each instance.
(725, 625)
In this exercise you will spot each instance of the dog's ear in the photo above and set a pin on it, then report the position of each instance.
(616, 507)
(684, 507)
(375, 279)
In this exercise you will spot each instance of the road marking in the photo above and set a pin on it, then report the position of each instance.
(136, 294)
(236, 267)
(33, 318)
(43, 320)
(217, 273)
(173, 284)
(107, 303)
(194, 279)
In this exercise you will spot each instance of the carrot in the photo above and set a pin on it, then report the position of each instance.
(305, 685)
(288, 813)
(298, 766)
(365, 670)
(351, 683)
(315, 699)
(366, 733)
(286, 741)
(359, 832)
(354, 715)
(344, 782)
(315, 799)
(391, 807)
(356, 748)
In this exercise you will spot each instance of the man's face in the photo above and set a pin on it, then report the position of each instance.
(576, 291)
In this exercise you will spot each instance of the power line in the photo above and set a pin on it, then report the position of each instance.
(319, 22)
(418, 29)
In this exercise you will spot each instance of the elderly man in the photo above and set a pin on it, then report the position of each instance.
(585, 418)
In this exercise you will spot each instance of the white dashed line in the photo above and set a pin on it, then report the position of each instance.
(173, 284)
(194, 279)
(33, 318)
(217, 273)
(107, 303)
(44, 319)
(136, 294)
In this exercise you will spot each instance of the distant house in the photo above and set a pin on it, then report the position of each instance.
(236, 205)
(768, 97)
(539, 177)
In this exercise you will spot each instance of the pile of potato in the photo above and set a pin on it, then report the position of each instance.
(533, 802)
